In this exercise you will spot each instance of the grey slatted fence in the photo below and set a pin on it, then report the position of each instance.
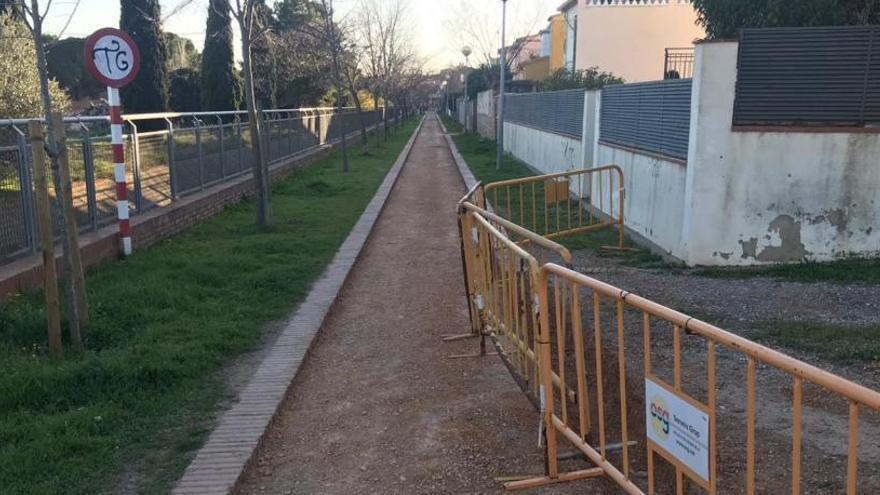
(808, 76)
(651, 116)
(559, 112)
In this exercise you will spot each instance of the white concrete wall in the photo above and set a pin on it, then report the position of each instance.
(543, 151)
(655, 195)
(486, 114)
(756, 197)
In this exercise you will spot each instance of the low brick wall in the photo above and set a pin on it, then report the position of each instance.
(153, 226)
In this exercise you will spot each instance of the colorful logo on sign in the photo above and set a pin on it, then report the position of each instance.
(660, 417)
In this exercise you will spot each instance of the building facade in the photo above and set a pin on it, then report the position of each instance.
(628, 38)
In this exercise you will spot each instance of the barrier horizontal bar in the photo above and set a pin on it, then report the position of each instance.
(555, 175)
(542, 241)
(783, 362)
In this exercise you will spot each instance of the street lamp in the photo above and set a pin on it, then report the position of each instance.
(503, 63)
(446, 87)
(466, 51)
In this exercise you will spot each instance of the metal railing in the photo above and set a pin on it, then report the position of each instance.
(678, 63)
(501, 276)
(694, 420)
(661, 342)
(168, 156)
(564, 203)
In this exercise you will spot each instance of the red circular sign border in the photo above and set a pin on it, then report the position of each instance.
(90, 61)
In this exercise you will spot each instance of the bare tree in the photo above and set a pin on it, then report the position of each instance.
(332, 39)
(77, 307)
(385, 32)
(478, 24)
(244, 12)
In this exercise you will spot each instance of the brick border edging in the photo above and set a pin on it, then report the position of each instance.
(466, 175)
(219, 464)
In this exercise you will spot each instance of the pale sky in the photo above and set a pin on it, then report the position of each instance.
(431, 19)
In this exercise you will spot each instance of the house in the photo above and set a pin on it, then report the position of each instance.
(630, 38)
(522, 52)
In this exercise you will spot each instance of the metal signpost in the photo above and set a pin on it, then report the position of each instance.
(113, 59)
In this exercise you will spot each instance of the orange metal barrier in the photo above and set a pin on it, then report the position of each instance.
(677, 419)
(564, 203)
(572, 341)
(501, 281)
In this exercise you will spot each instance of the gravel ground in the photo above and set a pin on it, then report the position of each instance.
(377, 407)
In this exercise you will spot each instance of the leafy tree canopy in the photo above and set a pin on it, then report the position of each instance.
(184, 91)
(221, 82)
(19, 81)
(181, 52)
(65, 61)
(590, 78)
(725, 18)
(149, 91)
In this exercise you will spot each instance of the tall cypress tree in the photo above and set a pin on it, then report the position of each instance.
(220, 84)
(149, 91)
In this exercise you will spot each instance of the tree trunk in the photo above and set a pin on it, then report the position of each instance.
(260, 170)
(341, 124)
(61, 198)
(378, 121)
(365, 143)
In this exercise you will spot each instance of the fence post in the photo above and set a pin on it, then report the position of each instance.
(136, 167)
(198, 128)
(69, 218)
(238, 139)
(172, 168)
(89, 167)
(50, 276)
(290, 132)
(27, 199)
(222, 146)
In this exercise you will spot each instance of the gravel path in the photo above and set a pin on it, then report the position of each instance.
(377, 408)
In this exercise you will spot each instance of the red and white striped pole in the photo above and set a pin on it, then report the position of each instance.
(113, 59)
(119, 170)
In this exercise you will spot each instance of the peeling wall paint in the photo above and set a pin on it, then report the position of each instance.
(772, 197)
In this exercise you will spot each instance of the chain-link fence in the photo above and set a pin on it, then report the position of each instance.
(168, 156)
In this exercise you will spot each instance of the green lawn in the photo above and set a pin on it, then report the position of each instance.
(858, 270)
(480, 155)
(842, 343)
(164, 323)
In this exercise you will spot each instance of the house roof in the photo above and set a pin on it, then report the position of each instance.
(567, 5)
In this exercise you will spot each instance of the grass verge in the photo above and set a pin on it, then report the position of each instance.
(850, 270)
(126, 415)
(842, 343)
(480, 155)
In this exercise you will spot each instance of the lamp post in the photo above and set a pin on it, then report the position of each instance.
(446, 88)
(503, 63)
(466, 51)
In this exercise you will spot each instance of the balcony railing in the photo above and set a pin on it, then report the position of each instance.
(678, 63)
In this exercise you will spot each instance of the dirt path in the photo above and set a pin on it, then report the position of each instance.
(377, 408)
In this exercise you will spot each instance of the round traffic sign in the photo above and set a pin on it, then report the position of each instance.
(112, 57)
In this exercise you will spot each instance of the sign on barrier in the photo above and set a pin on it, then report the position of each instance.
(677, 428)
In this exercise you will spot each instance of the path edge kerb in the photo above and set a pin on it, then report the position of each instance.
(230, 448)
(466, 175)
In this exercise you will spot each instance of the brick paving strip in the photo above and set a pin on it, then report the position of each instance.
(230, 447)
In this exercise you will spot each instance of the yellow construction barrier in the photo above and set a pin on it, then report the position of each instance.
(572, 341)
(564, 203)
